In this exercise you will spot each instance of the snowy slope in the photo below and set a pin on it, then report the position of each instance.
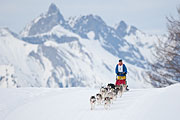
(7, 74)
(66, 60)
(145, 43)
(110, 38)
(73, 104)
(14, 53)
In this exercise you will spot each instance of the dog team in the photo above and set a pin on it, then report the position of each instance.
(107, 95)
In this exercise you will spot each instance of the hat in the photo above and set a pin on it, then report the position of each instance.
(120, 60)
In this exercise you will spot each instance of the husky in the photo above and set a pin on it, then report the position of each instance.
(121, 89)
(103, 92)
(107, 102)
(111, 86)
(115, 93)
(111, 96)
(99, 98)
(93, 102)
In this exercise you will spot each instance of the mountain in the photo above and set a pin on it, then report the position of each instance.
(85, 24)
(80, 51)
(45, 22)
(92, 25)
(14, 53)
(122, 29)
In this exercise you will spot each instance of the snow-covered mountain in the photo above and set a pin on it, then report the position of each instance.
(109, 37)
(80, 51)
(45, 22)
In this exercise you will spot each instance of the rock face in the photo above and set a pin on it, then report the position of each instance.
(80, 51)
(45, 22)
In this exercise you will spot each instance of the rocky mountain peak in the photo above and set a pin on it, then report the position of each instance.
(45, 22)
(53, 9)
(121, 28)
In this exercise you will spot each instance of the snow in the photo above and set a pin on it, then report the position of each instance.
(37, 19)
(90, 62)
(145, 43)
(91, 35)
(14, 52)
(72, 20)
(77, 61)
(25, 32)
(162, 104)
(51, 43)
(5, 68)
(81, 62)
(7, 74)
(135, 76)
(60, 31)
(128, 28)
(73, 104)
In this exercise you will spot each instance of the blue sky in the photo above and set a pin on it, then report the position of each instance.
(147, 15)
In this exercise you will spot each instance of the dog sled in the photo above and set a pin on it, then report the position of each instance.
(109, 93)
(120, 80)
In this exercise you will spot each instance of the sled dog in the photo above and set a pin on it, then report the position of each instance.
(111, 96)
(111, 86)
(103, 92)
(121, 88)
(99, 98)
(93, 102)
(107, 102)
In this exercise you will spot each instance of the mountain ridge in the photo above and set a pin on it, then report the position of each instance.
(76, 52)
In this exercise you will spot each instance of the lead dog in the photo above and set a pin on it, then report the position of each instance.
(93, 102)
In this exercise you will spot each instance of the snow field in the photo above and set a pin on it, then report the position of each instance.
(73, 104)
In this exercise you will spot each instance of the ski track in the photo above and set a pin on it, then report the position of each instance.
(70, 104)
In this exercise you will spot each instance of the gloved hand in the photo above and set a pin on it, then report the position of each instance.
(124, 73)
